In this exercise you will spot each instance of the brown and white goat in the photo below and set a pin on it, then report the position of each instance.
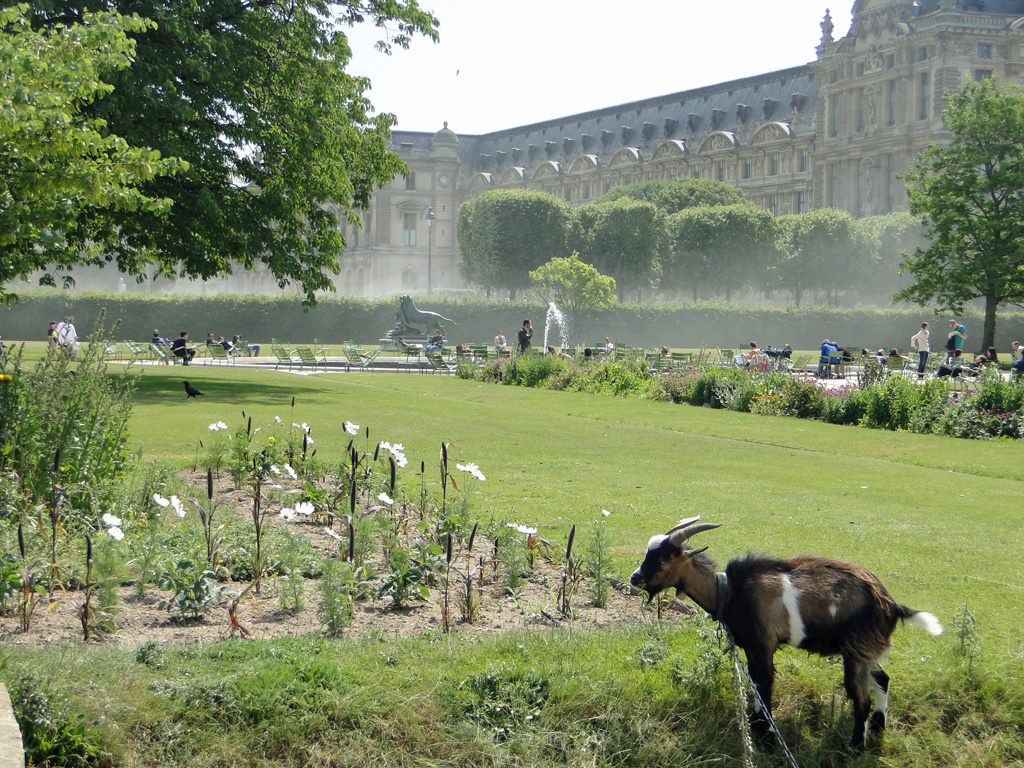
(820, 605)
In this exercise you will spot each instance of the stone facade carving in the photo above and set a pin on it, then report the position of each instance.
(717, 118)
(693, 121)
(670, 127)
(768, 107)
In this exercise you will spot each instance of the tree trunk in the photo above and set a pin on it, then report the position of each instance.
(694, 291)
(512, 295)
(796, 295)
(728, 291)
(988, 334)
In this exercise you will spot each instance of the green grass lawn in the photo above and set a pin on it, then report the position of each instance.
(937, 519)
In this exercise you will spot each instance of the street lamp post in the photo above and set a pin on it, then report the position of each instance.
(430, 247)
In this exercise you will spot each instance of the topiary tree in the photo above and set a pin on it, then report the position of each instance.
(505, 233)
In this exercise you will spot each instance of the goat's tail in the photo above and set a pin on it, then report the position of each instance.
(921, 619)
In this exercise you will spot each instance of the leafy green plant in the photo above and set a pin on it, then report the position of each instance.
(410, 575)
(51, 734)
(341, 584)
(504, 699)
(194, 588)
(10, 582)
(291, 582)
(597, 561)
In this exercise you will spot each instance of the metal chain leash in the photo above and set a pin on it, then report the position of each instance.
(742, 678)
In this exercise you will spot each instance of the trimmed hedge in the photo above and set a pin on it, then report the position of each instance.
(477, 320)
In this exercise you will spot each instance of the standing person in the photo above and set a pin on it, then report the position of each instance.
(1018, 365)
(51, 337)
(524, 336)
(181, 348)
(957, 334)
(500, 343)
(921, 342)
(67, 336)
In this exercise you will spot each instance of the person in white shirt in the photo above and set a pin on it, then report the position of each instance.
(499, 342)
(67, 337)
(921, 341)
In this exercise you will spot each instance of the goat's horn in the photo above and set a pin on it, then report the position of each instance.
(683, 523)
(684, 535)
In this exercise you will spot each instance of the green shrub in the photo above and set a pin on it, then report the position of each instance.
(532, 370)
(76, 411)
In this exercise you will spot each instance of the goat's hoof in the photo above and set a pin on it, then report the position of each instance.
(877, 724)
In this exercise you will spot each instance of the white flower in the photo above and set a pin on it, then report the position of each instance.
(160, 500)
(473, 469)
(177, 506)
(522, 528)
(305, 508)
(605, 512)
(352, 429)
(309, 440)
(396, 451)
(274, 469)
(331, 533)
(291, 472)
(115, 533)
(278, 420)
(386, 499)
(217, 426)
(286, 513)
(111, 520)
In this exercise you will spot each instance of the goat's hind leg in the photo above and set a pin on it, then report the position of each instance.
(879, 682)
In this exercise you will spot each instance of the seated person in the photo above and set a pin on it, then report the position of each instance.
(500, 344)
(210, 341)
(181, 348)
(253, 349)
(993, 356)
(608, 346)
(754, 350)
(954, 370)
(228, 346)
(665, 352)
(865, 352)
(157, 338)
(829, 356)
(896, 353)
(588, 353)
(881, 356)
(1015, 352)
(1018, 365)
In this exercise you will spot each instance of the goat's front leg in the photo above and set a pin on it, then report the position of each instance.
(855, 679)
(762, 671)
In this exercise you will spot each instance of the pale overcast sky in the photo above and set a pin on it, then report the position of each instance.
(502, 64)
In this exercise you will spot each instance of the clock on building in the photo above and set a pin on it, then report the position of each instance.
(442, 180)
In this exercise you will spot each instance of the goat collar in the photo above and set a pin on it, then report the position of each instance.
(722, 583)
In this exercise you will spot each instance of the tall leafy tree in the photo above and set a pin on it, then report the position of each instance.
(891, 235)
(55, 161)
(675, 195)
(254, 95)
(627, 239)
(969, 197)
(505, 234)
(824, 250)
(723, 248)
(575, 287)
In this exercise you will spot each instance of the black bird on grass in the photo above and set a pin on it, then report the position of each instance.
(191, 391)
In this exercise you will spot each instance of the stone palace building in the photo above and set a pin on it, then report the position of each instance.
(831, 133)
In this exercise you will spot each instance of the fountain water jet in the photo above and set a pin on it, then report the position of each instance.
(555, 315)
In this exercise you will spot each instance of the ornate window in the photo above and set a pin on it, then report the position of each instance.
(409, 229)
(410, 180)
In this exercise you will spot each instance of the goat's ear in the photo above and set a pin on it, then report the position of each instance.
(692, 552)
